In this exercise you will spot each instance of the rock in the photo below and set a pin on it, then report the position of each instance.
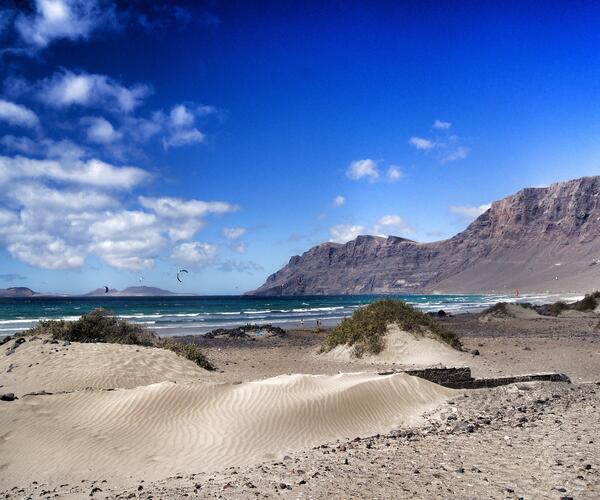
(540, 224)
(475, 352)
(9, 396)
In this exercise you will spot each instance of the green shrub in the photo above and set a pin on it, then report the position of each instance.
(498, 309)
(187, 351)
(102, 326)
(588, 303)
(365, 330)
(558, 307)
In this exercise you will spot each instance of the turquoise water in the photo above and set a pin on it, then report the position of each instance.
(196, 315)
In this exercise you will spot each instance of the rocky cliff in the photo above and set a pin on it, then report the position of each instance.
(539, 239)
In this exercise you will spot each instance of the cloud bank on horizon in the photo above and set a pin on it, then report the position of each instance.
(137, 137)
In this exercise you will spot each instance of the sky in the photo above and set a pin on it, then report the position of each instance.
(137, 139)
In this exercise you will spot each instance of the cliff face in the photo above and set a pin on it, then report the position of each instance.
(539, 239)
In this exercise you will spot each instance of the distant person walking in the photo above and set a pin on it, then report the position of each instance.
(301, 323)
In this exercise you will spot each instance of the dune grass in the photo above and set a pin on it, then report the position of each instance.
(588, 303)
(365, 330)
(100, 325)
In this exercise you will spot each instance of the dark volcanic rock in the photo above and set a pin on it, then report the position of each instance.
(537, 239)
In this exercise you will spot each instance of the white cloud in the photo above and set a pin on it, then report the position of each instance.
(360, 169)
(394, 173)
(22, 144)
(180, 129)
(181, 117)
(66, 88)
(91, 172)
(63, 19)
(441, 125)
(15, 114)
(233, 233)
(392, 225)
(469, 212)
(339, 200)
(421, 143)
(100, 130)
(343, 233)
(183, 138)
(195, 254)
(460, 153)
(176, 207)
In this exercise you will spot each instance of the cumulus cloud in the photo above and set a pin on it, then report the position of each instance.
(195, 254)
(469, 212)
(441, 125)
(392, 225)
(339, 200)
(180, 127)
(422, 144)
(175, 208)
(15, 114)
(184, 217)
(91, 172)
(394, 174)
(100, 130)
(63, 19)
(361, 169)
(343, 233)
(60, 210)
(234, 233)
(67, 88)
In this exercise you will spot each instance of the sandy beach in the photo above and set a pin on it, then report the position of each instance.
(278, 418)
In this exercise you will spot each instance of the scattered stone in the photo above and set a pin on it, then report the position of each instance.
(9, 396)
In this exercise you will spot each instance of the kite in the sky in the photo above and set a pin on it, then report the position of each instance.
(179, 272)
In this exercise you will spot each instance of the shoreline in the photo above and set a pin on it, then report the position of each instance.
(192, 320)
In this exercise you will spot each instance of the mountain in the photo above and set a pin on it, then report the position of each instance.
(132, 291)
(17, 291)
(537, 240)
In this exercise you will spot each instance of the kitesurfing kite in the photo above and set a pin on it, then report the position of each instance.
(179, 272)
(105, 289)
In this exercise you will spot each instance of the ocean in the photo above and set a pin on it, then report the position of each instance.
(197, 315)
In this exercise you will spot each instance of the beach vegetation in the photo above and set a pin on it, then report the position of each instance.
(557, 307)
(100, 325)
(588, 303)
(365, 330)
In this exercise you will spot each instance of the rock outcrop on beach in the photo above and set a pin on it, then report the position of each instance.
(539, 239)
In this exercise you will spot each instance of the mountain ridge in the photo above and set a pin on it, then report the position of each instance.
(538, 239)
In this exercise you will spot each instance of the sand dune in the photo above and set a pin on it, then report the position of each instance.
(406, 349)
(158, 430)
(35, 366)
(511, 311)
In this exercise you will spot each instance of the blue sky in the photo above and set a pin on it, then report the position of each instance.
(224, 137)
